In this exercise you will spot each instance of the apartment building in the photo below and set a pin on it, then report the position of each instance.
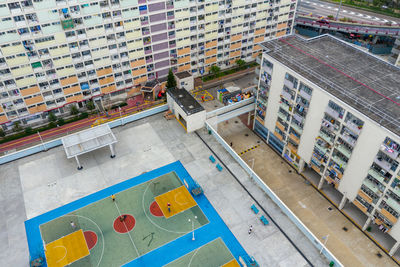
(57, 52)
(333, 110)
(395, 55)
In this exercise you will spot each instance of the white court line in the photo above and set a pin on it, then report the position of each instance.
(194, 254)
(137, 251)
(65, 255)
(101, 232)
(180, 203)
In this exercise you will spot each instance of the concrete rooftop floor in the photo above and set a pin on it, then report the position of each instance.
(47, 180)
(351, 247)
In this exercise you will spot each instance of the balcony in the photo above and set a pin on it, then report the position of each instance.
(388, 216)
(364, 196)
(286, 96)
(339, 161)
(371, 186)
(344, 150)
(326, 137)
(377, 176)
(333, 113)
(353, 127)
(393, 154)
(305, 95)
(296, 128)
(280, 126)
(295, 138)
(383, 164)
(288, 84)
(292, 147)
(360, 206)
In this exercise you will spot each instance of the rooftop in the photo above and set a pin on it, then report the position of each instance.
(185, 100)
(359, 79)
(44, 181)
(183, 74)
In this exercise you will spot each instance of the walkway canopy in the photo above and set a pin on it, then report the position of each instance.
(88, 140)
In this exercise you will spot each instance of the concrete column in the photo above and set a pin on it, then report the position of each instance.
(80, 167)
(375, 39)
(248, 118)
(321, 183)
(301, 166)
(342, 202)
(320, 31)
(394, 248)
(366, 224)
(112, 151)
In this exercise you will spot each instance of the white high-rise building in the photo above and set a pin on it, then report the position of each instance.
(332, 110)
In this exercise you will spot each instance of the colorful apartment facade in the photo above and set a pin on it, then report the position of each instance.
(319, 107)
(57, 52)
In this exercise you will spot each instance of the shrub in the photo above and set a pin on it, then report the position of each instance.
(2, 133)
(83, 115)
(60, 121)
(28, 130)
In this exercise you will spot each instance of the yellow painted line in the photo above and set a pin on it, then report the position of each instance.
(181, 124)
(249, 149)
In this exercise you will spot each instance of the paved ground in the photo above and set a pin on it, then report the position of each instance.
(44, 181)
(323, 8)
(352, 248)
(242, 82)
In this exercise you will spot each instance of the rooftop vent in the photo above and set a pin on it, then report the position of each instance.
(191, 106)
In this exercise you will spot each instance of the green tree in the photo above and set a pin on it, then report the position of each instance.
(90, 105)
(240, 63)
(215, 70)
(52, 117)
(2, 133)
(17, 126)
(74, 110)
(171, 82)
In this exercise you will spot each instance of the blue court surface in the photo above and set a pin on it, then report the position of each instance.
(136, 228)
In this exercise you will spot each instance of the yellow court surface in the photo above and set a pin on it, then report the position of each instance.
(179, 198)
(66, 249)
(232, 263)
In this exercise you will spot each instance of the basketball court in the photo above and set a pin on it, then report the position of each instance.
(136, 227)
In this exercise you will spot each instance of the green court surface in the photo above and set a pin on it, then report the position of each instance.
(149, 231)
(213, 254)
